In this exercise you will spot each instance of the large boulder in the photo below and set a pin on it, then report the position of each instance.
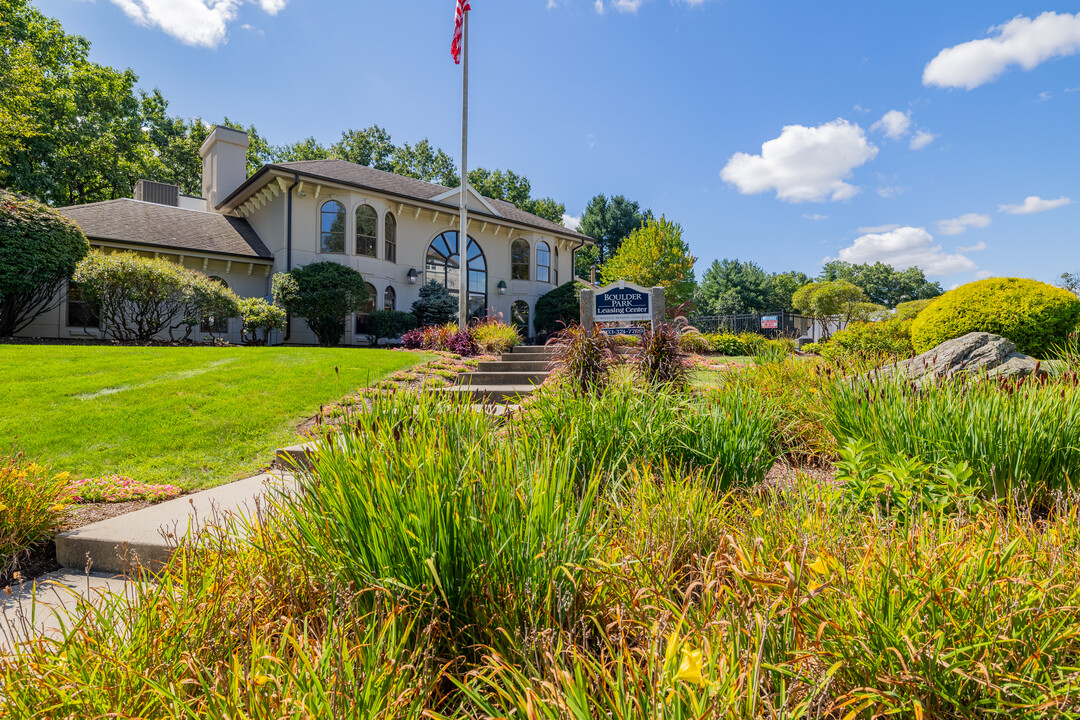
(976, 352)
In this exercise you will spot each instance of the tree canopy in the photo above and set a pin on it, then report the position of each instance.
(655, 255)
(608, 222)
(883, 284)
(734, 286)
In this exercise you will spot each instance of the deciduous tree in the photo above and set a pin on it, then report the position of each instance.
(655, 255)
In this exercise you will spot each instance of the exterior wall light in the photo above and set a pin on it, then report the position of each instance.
(502, 287)
(413, 276)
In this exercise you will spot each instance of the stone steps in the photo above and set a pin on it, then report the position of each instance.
(533, 366)
(498, 378)
(487, 394)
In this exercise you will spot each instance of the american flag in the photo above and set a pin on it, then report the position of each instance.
(459, 29)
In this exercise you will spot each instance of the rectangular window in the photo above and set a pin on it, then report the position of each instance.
(79, 312)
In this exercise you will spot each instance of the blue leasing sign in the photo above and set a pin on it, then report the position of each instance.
(621, 302)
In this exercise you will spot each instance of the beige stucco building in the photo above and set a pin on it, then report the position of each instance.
(398, 232)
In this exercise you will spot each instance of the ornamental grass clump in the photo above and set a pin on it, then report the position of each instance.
(661, 359)
(583, 357)
(32, 506)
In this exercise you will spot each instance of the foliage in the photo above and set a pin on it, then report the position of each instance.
(725, 344)
(39, 249)
(655, 255)
(138, 298)
(513, 188)
(260, 318)
(732, 286)
(887, 338)
(583, 357)
(832, 300)
(772, 352)
(558, 308)
(31, 507)
(608, 222)
(1021, 439)
(462, 343)
(390, 323)
(1070, 281)
(883, 284)
(1031, 314)
(492, 336)
(116, 488)
(436, 305)
(442, 338)
(911, 309)
(322, 293)
(660, 360)
(692, 341)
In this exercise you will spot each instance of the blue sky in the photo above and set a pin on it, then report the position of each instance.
(779, 132)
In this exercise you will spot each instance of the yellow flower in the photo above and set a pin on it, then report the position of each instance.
(690, 668)
(3, 507)
(261, 680)
(63, 476)
(759, 512)
(57, 508)
(824, 565)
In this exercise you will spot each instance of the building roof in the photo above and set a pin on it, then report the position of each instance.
(150, 224)
(365, 178)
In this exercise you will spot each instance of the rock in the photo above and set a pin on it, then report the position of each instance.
(973, 353)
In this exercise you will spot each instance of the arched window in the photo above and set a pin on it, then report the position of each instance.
(332, 225)
(215, 324)
(367, 227)
(364, 316)
(389, 299)
(543, 262)
(556, 264)
(519, 315)
(443, 266)
(519, 260)
(390, 238)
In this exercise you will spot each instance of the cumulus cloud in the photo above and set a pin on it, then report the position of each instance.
(977, 247)
(959, 225)
(201, 23)
(921, 139)
(877, 229)
(804, 163)
(571, 222)
(1021, 41)
(1034, 204)
(906, 247)
(894, 124)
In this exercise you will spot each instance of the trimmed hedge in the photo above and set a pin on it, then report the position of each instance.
(873, 339)
(1031, 314)
(558, 308)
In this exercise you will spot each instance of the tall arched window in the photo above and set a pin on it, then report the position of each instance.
(443, 266)
(519, 315)
(364, 316)
(332, 225)
(519, 260)
(543, 262)
(390, 238)
(389, 301)
(367, 228)
(556, 264)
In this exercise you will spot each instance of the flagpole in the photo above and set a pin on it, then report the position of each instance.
(463, 224)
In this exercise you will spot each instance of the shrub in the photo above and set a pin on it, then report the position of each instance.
(493, 336)
(661, 360)
(884, 338)
(260, 318)
(910, 310)
(413, 340)
(462, 343)
(1031, 314)
(39, 249)
(558, 308)
(322, 293)
(140, 297)
(725, 344)
(584, 357)
(693, 341)
(436, 305)
(31, 507)
(390, 323)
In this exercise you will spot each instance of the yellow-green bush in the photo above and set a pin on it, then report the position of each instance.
(873, 339)
(1032, 314)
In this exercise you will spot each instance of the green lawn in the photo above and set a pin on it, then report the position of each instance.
(196, 416)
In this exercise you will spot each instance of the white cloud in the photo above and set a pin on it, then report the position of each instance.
(959, 225)
(977, 247)
(571, 222)
(202, 23)
(983, 274)
(891, 192)
(1044, 96)
(921, 139)
(903, 248)
(894, 124)
(599, 6)
(816, 216)
(1021, 41)
(877, 229)
(630, 6)
(804, 163)
(1034, 204)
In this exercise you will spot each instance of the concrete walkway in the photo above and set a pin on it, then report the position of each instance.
(95, 557)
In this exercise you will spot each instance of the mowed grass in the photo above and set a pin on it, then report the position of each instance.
(197, 416)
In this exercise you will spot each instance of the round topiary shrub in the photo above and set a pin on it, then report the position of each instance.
(1031, 314)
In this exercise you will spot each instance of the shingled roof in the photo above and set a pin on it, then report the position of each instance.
(363, 177)
(143, 223)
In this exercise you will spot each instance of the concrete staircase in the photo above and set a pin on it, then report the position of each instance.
(507, 380)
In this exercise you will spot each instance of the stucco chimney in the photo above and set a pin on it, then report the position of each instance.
(224, 163)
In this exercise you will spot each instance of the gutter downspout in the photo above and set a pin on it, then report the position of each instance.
(573, 260)
(288, 249)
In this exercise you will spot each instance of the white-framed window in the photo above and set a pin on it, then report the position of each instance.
(364, 316)
(556, 264)
(543, 262)
(367, 229)
(389, 298)
(519, 316)
(332, 227)
(390, 238)
(519, 259)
